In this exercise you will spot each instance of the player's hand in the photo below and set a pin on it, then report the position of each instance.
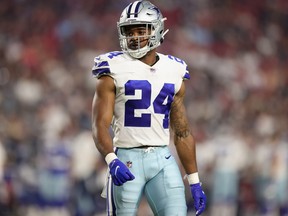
(120, 172)
(199, 198)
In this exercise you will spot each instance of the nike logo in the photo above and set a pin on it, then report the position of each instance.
(167, 157)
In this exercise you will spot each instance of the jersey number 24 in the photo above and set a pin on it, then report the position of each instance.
(161, 104)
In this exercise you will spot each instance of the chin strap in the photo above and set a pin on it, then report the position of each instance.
(166, 31)
(162, 38)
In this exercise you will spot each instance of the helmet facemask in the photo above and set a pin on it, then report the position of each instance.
(133, 45)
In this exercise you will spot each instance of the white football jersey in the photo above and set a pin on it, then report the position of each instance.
(143, 96)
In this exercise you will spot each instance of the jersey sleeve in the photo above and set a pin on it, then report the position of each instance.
(180, 66)
(101, 67)
(186, 74)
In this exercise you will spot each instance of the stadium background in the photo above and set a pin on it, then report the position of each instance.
(237, 101)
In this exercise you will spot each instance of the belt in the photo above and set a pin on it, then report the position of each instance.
(149, 146)
(143, 147)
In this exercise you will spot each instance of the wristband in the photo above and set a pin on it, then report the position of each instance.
(110, 157)
(193, 178)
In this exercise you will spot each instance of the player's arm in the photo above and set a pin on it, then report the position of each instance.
(183, 138)
(102, 114)
(186, 149)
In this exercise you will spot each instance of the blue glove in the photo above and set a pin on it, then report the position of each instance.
(199, 198)
(120, 172)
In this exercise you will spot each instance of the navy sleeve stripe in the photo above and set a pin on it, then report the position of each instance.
(186, 76)
(100, 71)
(102, 64)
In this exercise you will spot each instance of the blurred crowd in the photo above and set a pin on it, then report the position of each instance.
(237, 102)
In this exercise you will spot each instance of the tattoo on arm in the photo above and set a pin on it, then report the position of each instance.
(182, 134)
(179, 120)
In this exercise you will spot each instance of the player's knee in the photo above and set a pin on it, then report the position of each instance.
(173, 211)
(126, 212)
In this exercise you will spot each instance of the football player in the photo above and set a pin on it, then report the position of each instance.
(140, 93)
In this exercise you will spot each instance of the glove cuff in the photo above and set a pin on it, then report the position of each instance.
(110, 157)
(193, 178)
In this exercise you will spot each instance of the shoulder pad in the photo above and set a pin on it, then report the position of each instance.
(101, 63)
(182, 63)
(176, 59)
